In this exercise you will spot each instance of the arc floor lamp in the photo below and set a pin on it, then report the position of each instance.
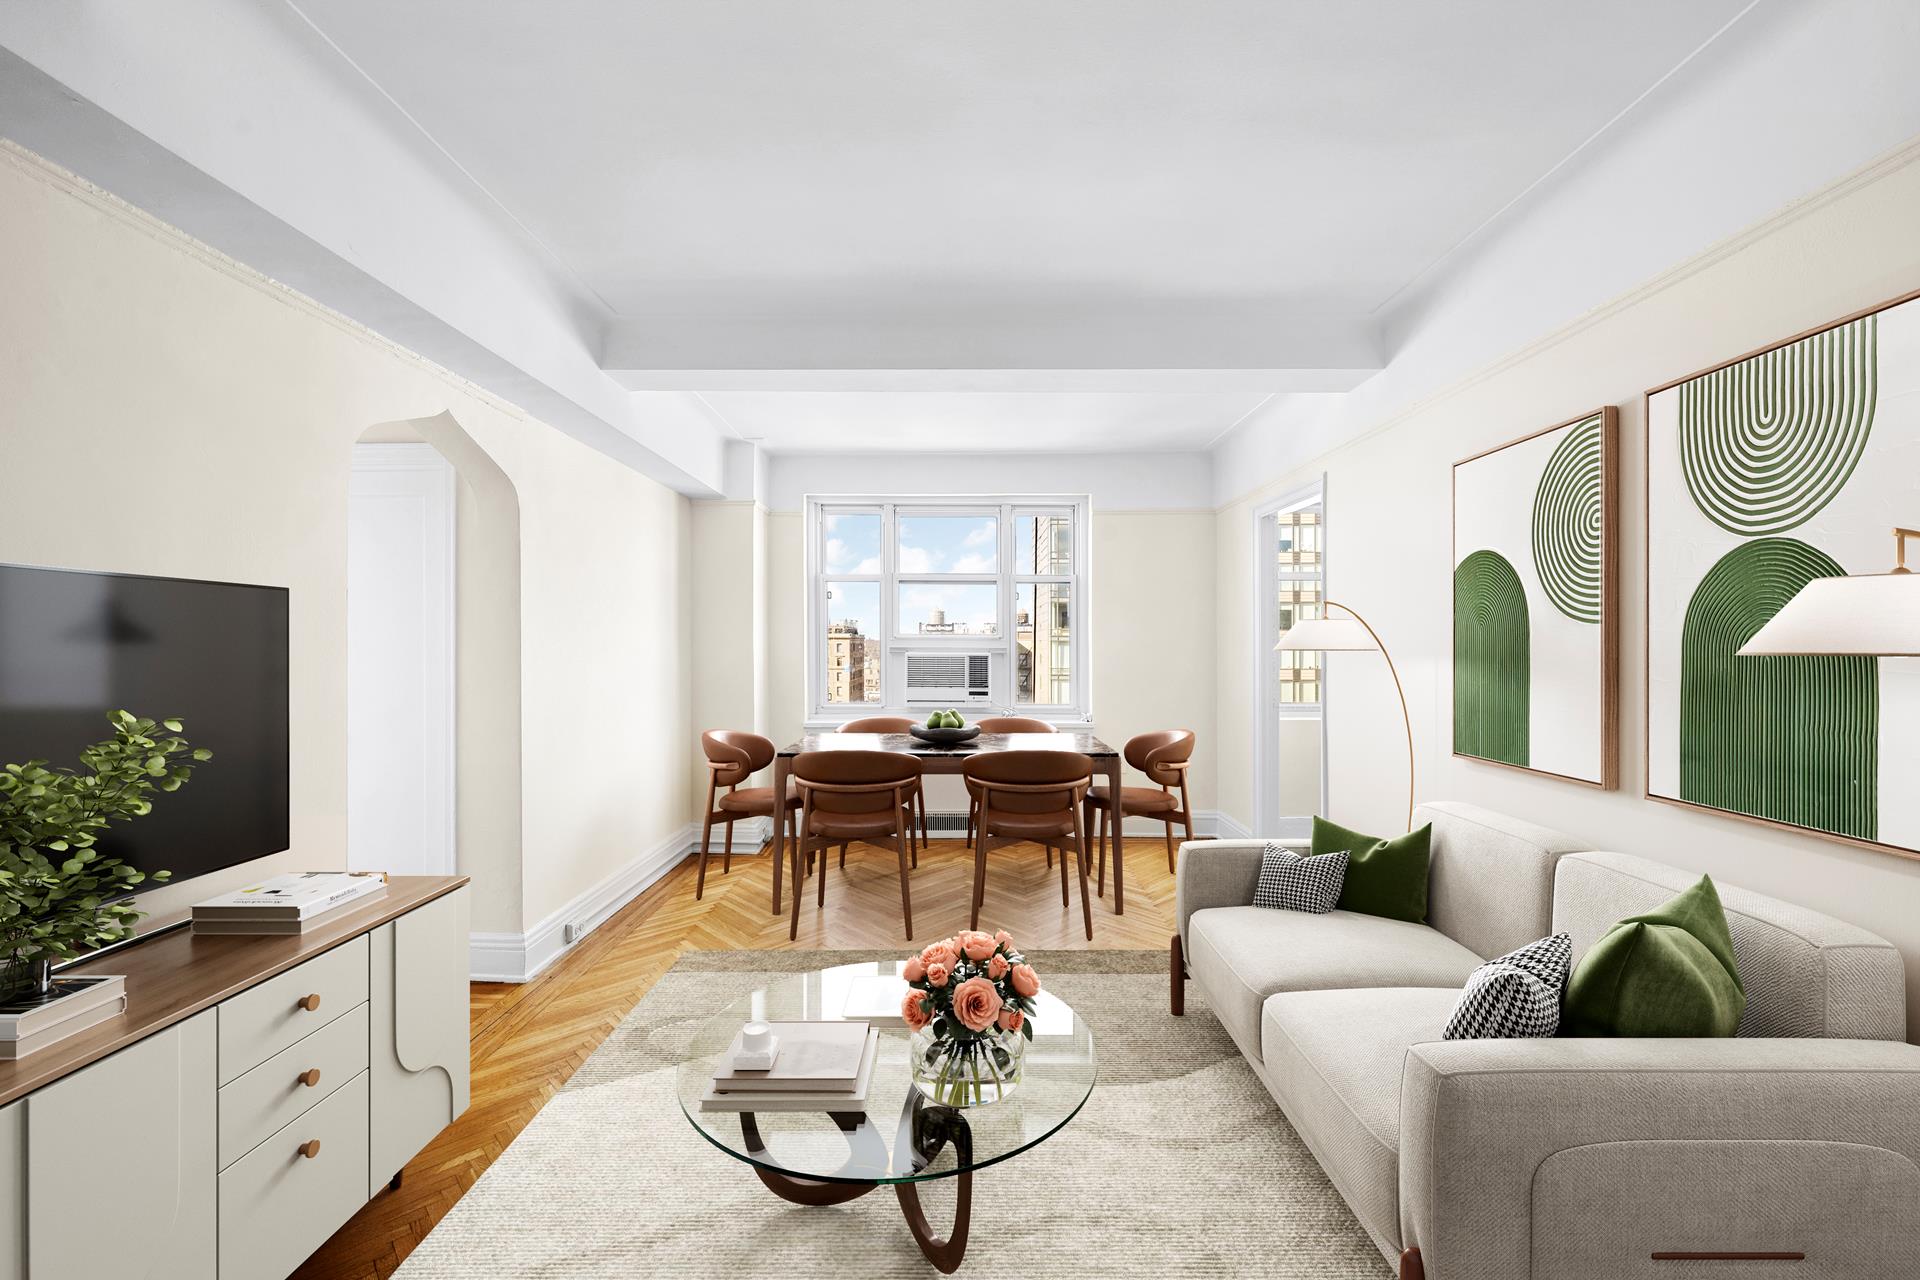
(1351, 634)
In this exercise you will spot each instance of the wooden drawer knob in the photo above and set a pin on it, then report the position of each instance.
(309, 1077)
(309, 1003)
(310, 1149)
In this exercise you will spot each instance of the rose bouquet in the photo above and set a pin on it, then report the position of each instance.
(969, 1002)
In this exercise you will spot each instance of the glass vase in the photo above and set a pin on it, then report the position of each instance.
(970, 1072)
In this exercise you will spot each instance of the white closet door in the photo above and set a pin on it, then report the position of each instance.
(400, 661)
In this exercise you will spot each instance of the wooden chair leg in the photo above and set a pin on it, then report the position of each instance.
(726, 855)
(793, 928)
(706, 838)
(843, 854)
(901, 840)
(972, 810)
(1065, 901)
(920, 798)
(1169, 846)
(781, 831)
(1080, 861)
(1103, 851)
(979, 868)
(820, 887)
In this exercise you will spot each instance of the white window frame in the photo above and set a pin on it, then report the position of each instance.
(1265, 661)
(1007, 579)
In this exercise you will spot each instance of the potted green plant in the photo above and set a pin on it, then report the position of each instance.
(60, 896)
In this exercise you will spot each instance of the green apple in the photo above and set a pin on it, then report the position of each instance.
(938, 720)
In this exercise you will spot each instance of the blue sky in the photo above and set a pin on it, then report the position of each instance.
(928, 545)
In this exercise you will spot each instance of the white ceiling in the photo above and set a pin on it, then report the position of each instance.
(981, 422)
(776, 202)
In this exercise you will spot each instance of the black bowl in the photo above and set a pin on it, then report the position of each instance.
(944, 737)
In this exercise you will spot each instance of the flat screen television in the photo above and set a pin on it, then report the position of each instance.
(75, 646)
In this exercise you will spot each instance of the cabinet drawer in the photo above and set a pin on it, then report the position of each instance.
(257, 1024)
(274, 1094)
(277, 1205)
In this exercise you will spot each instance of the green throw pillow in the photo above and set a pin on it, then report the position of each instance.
(1384, 877)
(1669, 972)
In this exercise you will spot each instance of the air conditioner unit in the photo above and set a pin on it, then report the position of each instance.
(947, 679)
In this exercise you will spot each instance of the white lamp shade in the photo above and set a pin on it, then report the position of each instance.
(1873, 615)
(1329, 635)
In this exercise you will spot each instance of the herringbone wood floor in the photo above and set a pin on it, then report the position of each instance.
(528, 1039)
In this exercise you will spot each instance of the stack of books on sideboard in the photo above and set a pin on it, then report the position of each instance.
(288, 904)
(795, 1066)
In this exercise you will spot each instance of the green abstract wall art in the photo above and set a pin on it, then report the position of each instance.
(1764, 473)
(1535, 658)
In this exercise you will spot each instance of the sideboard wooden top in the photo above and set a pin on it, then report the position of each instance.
(176, 975)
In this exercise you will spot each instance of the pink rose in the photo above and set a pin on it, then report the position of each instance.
(914, 1010)
(997, 967)
(1025, 981)
(1005, 939)
(940, 953)
(1010, 1019)
(978, 946)
(915, 970)
(976, 1004)
(938, 973)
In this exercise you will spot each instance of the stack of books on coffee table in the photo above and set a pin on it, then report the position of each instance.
(818, 1066)
(287, 904)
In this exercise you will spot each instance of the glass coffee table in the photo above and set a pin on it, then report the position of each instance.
(900, 1138)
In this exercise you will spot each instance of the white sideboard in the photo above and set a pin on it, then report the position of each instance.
(256, 1093)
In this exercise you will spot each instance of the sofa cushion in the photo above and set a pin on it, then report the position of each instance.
(1384, 877)
(1490, 883)
(1805, 974)
(1242, 955)
(1334, 1059)
(1515, 996)
(1666, 972)
(1289, 882)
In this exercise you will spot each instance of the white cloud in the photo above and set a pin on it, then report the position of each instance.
(870, 565)
(917, 560)
(975, 563)
(983, 535)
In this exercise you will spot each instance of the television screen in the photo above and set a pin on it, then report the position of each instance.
(75, 646)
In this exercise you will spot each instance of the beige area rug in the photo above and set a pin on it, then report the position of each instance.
(1179, 1165)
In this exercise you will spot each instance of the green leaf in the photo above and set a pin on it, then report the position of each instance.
(174, 725)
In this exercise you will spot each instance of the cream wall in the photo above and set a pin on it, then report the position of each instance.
(164, 410)
(1388, 553)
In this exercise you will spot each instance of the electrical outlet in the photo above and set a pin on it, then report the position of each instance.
(574, 931)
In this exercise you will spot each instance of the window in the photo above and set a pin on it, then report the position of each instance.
(1003, 576)
(1298, 591)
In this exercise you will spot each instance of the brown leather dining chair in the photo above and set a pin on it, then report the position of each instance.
(895, 724)
(1001, 724)
(1164, 757)
(847, 796)
(1032, 795)
(732, 757)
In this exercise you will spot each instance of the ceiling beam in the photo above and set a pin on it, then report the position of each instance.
(1141, 347)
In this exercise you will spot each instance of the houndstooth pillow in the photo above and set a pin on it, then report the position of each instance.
(1516, 996)
(1289, 882)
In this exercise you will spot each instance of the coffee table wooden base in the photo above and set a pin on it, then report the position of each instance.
(944, 1254)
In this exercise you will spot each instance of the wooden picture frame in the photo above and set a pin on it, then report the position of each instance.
(1536, 557)
(1845, 523)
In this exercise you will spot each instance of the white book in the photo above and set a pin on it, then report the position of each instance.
(299, 896)
(72, 997)
(812, 1056)
(11, 1049)
(876, 997)
(851, 1099)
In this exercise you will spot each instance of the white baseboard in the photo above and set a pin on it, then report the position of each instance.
(1224, 825)
(750, 835)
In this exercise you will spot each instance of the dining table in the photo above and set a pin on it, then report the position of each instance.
(952, 758)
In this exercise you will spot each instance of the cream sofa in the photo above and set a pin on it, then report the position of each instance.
(1559, 1158)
